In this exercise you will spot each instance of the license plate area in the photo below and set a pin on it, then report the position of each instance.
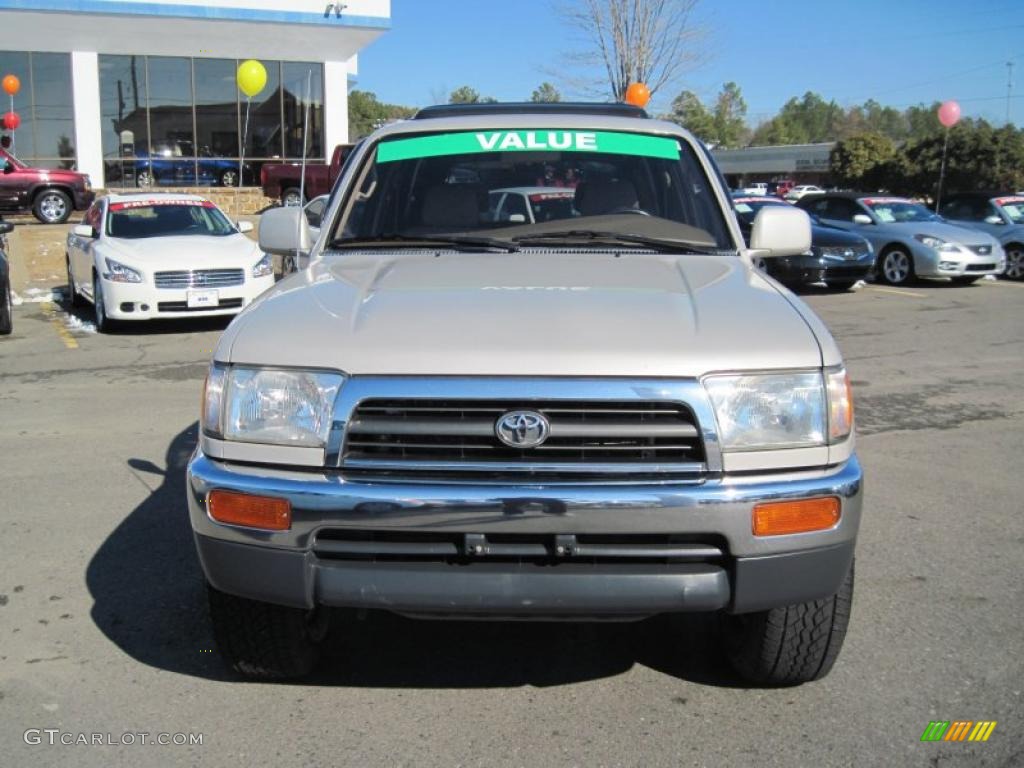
(204, 298)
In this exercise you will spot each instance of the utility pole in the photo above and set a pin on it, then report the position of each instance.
(1009, 88)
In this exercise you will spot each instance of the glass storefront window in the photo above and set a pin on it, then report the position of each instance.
(44, 103)
(123, 115)
(179, 121)
(296, 77)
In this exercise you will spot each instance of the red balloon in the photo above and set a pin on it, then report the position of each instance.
(11, 121)
(11, 85)
(638, 94)
(949, 113)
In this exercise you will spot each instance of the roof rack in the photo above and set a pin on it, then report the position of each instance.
(530, 108)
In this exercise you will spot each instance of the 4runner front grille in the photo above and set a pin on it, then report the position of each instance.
(595, 438)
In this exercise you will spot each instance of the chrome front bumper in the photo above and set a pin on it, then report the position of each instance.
(754, 572)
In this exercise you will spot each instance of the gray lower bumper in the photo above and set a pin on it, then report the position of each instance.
(750, 573)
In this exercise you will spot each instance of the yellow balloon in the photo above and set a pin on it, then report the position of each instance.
(252, 77)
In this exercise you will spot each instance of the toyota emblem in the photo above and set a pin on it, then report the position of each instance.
(522, 429)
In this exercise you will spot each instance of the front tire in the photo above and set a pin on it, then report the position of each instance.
(1014, 262)
(229, 178)
(896, 267)
(291, 197)
(263, 641)
(793, 644)
(74, 297)
(103, 323)
(144, 178)
(6, 310)
(52, 206)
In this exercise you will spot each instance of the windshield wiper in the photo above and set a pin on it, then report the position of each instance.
(454, 242)
(613, 238)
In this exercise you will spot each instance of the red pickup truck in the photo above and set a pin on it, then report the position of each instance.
(51, 195)
(280, 181)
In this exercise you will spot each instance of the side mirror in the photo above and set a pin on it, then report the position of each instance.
(83, 230)
(780, 231)
(993, 219)
(283, 231)
(862, 218)
(8, 167)
(245, 226)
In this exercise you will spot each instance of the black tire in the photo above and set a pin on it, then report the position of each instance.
(886, 268)
(841, 285)
(52, 206)
(291, 196)
(229, 178)
(6, 310)
(790, 645)
(263, 641)
(966, 280)
(103, 323)
(1014, 262)
(144, 178)
(74, 297)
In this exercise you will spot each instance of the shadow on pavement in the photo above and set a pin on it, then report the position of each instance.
(149, 600)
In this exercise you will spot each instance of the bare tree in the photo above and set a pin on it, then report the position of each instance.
(647, 41)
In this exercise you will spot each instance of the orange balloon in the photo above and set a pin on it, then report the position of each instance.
(12, 85)
(638, 94)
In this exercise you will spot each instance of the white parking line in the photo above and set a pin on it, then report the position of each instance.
(898, 292)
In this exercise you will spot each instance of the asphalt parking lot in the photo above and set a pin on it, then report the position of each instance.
(102, 612)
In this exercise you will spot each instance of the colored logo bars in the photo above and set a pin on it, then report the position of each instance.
(958, 730)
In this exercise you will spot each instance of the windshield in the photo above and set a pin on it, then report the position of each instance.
(511, 184)
(746, 208)
(145, 218)
(899, 211)
(1013, 207)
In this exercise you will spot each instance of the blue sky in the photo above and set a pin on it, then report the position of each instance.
(900, 52)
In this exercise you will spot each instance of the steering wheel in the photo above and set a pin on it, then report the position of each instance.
(628, 209)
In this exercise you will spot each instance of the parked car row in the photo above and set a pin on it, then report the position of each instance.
(911, 241)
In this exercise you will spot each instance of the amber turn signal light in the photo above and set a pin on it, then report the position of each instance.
(263, 512)
(781, 517)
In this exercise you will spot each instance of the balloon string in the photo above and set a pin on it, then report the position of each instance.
(241, 154)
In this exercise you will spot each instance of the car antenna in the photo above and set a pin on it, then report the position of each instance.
(302, 175)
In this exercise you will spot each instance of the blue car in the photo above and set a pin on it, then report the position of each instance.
(175, 164)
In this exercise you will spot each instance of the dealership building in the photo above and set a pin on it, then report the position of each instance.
(108, 84)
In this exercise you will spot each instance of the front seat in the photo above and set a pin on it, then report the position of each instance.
(594, 198)
(451, 207)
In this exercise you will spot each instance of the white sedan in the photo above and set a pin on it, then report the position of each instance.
(804, 189)
(147, 256)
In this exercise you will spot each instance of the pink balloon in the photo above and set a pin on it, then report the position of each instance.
(949, 113)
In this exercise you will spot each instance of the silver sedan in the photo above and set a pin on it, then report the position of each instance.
(910, 240)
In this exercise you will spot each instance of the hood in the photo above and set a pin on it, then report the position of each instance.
(188, 252)
(535, 313)
(948, 232)
(824, 235)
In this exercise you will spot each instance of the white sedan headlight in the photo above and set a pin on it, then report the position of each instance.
(264, 266)
(789, 410)
(119, 273)
(267, 405)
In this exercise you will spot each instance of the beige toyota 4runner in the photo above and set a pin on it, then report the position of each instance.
(605, 413)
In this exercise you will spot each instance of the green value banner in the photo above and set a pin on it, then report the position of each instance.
(472, 142)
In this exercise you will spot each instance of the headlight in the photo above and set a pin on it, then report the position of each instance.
(119, 273)
(266, 405)
(937, 243)
(757, 412)
(264, 266)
